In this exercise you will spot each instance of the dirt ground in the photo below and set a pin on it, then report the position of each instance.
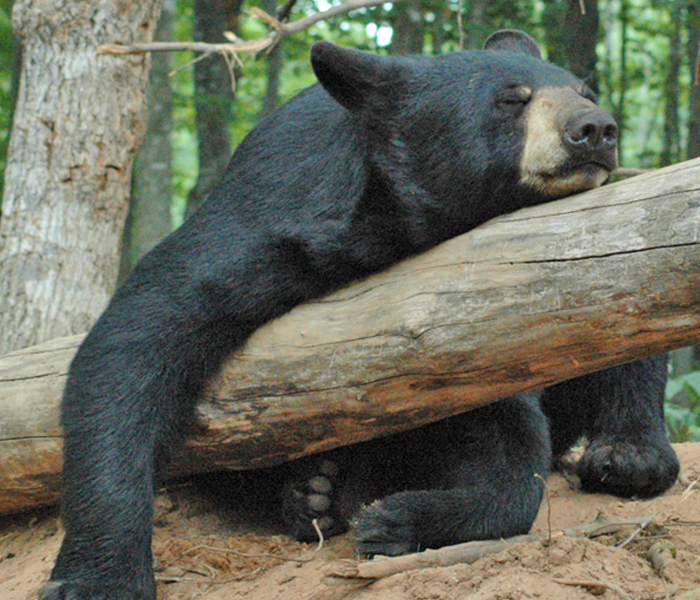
(206, 550)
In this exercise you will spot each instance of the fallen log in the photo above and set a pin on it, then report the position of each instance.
(527, 300)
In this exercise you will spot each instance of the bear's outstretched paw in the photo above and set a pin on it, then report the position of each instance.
(616, 465)
(59, 590)
(385, 528)
(312, 497)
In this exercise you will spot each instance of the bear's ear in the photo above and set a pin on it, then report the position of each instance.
(513, 40)
(354, 78)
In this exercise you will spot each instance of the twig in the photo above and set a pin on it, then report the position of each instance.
(636, 532)
(687, 491)
(208, 581)
(286, 10)
(231, 50)
(460, 24)
(265, 18)
(466, 553)
(549, 507)
(178, 579)
(596, 585)
(279, 32)
(202, 56)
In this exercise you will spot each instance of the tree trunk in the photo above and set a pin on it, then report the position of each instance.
(476, 24)
(580, 40)
(407, 22)
(694, 109)
(78, 122)
(275, 58)
(671, 148)
(438, 29)
(149, 212)
(553, 14)
(213, 96)
(530, 299)
(623, 83)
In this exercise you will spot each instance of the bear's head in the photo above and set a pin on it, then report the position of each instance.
(494, 129)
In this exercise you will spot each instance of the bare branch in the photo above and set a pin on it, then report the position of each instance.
(278, 32)
(345, 7)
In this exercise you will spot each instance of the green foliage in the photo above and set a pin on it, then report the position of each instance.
(184, 138)
(682, 408)
(6, 96)
(642, 81)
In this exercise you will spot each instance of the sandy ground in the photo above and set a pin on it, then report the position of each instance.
(204, 550)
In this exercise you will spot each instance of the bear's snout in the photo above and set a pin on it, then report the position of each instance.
(592, 134)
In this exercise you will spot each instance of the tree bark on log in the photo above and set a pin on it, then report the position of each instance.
(532, 298)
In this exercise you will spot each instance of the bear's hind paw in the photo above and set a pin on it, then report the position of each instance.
(310, 498)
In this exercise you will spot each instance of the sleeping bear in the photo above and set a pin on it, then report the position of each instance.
(382, 159)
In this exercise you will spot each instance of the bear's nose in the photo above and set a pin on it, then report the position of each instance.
(591, 131)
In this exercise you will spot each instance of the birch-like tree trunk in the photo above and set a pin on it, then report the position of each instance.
(79, 120)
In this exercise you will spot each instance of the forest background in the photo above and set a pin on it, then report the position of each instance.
(640, 56)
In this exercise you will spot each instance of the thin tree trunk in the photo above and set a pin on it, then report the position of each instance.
(693, 47)
(580, 39)
(671, 147)
(476, 24)
(213, 96)
(149, 214)
(438, 29)
(274, 69)
(79, 120)
(619, 109)
(407, 22)
(553, 14)
(693, 144)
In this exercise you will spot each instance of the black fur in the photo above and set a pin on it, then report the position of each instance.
(468, 477)
(480, 475)
(387, 157)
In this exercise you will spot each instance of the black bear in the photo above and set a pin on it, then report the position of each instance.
(475, 476)
(384, 158)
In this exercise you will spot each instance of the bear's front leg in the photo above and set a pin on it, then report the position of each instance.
(131, 394)
(489, 467)
(620, 411)
(127, 406)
